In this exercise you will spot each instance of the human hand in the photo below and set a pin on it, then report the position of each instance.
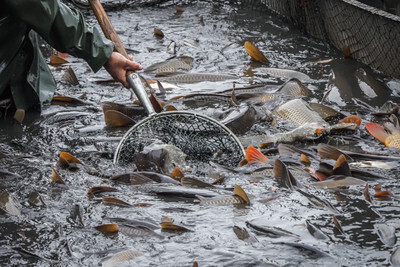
(119, 67)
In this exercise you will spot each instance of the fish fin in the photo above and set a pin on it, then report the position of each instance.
(115, 118)
(326, 151)
(170, 108)
(177, 174)
(70, 77)
(320, 176)
(201, 198)
(161, 88)
(341, 166)
(352, 119)
(240, 192)
(254, 155)
(155, 103)
(377, 131)
(165, 219)
(279, 169)
(243, 162)
(254, 53)
(57, 60)
(55, 177)
(304, 159)
(234, 100)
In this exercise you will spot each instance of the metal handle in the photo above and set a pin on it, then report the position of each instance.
(137, 86)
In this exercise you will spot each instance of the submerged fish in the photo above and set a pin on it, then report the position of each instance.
(239, 197)
(339, 181)
(386, 233)
(9, 204)
(198, 77)
(315, 232)
(293, 87)
(240, 120)
(120, 257)
(284, 73)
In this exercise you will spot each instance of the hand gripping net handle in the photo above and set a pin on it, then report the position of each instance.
(201, 138)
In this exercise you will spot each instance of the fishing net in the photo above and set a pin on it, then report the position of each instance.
(201, 138)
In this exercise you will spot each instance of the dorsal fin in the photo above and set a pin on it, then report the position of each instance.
(161, 88)
(115, 118)
(254, 53)
(326, 151)
(170, 108)
(254, 155)
(234, 100)
(155, 103)
(341, 167)
(240, 192)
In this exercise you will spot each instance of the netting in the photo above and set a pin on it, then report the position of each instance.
(201, 138)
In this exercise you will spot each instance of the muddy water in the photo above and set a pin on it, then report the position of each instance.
(57, 237)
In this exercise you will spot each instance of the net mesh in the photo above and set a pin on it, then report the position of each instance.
(201, 138)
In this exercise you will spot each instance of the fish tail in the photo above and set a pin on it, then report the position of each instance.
(352, 119)
(201, 199)
(254, 155)
(377, 131)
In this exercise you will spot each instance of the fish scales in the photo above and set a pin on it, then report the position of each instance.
(121, 257)
(198, 77)
(295, 88)
(135, 231)
(172, 67)
(220, 200)
(299, 112)
(284, 73)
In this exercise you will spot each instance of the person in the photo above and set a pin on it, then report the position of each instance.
(25, 77)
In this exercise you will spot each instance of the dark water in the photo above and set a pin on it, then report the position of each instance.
(50, 232)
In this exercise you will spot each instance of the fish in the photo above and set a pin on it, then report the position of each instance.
(191, 181)
(9, 204)
(137, 231)
(240, 120)
(386, 233)
(339, 181)
(243, 234)
(285, 73)
(299, 112)
(326, 113)
(282, 173)
(114, 118)
(318, 202)
(315, 232)
(160, 157)
(70, 77)
(197, 77)
(337, 225)
(36, 199)
(55, 177)
(253, 155)
(115, 201)
(120, 258)
(167, 225)
(171, 48)
(270, 231)
(395, 257)
(390, 137)
(309, 250)
(129, 110)
(293, 87)
(75, 217)
(172, 65)
(239, 197)
(143, 177)
(255, 53)
(286, 150)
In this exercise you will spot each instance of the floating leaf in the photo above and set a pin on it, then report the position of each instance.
(108, 228)
(254, 53)
(55, 177)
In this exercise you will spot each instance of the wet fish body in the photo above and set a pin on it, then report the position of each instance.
(240, 120)
(198, 77)
(386, 233)
(339, 181)
(315, 232)
(293, 87)
(9, 204)
(299, 112)
(220, 200)
(120, 258)
(285, 73)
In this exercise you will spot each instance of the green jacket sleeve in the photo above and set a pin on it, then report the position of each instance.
(64, 29)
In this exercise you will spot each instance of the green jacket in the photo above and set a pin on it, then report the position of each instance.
(22, 66)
